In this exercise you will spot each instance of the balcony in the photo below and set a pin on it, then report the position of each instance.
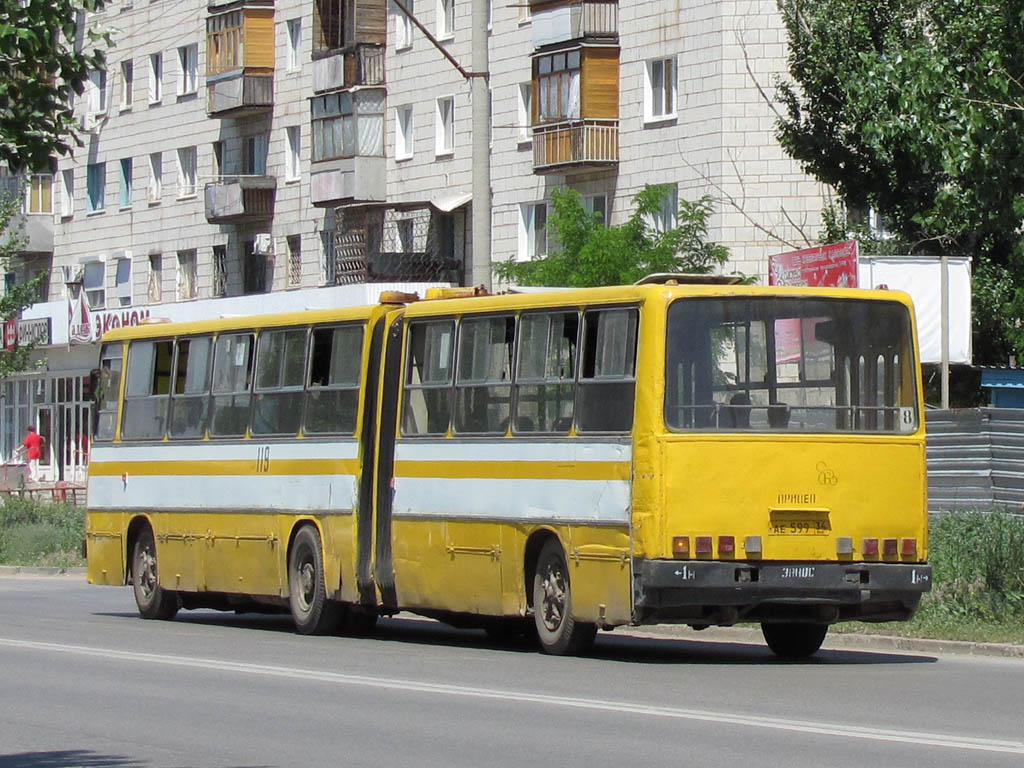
(240, 199)
(239, 94)
(560, 22)
(359, 65)
(353, 179)
(36, 215)
(586, 143)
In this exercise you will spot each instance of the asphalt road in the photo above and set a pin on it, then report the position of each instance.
(85, 682)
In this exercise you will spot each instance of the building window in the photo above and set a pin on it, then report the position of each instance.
(445, 18)
(186, 277)
(127, 83)
(97, 91)
(525, 97)
(40, 193)
(332, 22)
(125, 183)
(660, 90)
(403, 26)
(155, 291)
(96, 182)
(533, 231)
(403, 132)
(156, 177)
(294, 243)
(664, 220)
(558, 85)
(256, 154)
(294, 45)
(328, 266)
(293, 160)
(220, 270)
(254, 269)
(156, 75)
(597, 204)
(218, 159)
(525, 13)
(123, 282)
(94, 283)
(187, 172)
(67, 192)
(348, 124)
(223, 42)
(188, 69)
(444, 126)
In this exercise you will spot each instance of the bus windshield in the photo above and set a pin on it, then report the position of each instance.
(796, 364)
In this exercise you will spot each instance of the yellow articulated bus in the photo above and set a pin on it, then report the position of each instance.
(558, 462)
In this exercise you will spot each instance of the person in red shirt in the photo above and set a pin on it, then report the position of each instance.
(33, 445)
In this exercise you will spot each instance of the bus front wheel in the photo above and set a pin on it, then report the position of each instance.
(154, 601)
(559, 632)
(794, 641)
(312, 611)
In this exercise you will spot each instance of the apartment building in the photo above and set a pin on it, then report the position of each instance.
(258, 155)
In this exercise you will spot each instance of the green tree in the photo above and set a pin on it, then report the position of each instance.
(20, 295)
(45, 57)
(916, 108)
(588, 253)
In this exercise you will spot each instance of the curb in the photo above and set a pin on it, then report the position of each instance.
(838, 641)
(28, 570)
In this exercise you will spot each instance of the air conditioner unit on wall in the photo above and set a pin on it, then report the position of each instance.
(262, 244)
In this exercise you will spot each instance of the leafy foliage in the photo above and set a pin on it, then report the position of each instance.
(45, 58)
(35, 532)
(20, 295)
(590, 253)
(916, 108)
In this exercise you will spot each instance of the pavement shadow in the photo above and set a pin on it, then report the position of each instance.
(73, 758)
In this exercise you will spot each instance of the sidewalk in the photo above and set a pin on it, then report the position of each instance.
(835, 641)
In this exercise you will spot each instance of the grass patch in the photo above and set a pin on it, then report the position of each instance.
(38, 533)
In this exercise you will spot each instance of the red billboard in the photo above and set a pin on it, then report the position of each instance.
(828, 266)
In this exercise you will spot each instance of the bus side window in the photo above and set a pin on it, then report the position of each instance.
(426, 400)
(147, 387)
(608, 377)
(232, 380)
(190, 398)
(546, 375)
(107, 391)
(335, 367)
(280, 376)
(483, 386)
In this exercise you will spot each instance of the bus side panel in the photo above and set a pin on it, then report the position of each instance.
(180, 554)
(420, 563)
(241, 553)
(599, 574)
(105, 547)
(339, 558)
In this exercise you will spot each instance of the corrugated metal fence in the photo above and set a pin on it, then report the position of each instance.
(976, 459)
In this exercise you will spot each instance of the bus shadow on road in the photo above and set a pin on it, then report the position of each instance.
(72, 758)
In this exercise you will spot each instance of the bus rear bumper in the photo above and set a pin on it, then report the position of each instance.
(717, 592)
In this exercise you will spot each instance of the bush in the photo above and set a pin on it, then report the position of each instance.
(33, 532)
(977, 566)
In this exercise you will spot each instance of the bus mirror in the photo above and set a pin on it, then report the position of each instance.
(825, 331)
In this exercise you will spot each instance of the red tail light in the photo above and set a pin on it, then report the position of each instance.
(726, 545)
(890, 547)
(681, 546)
(869, 547)
(908, 547)
(703, 545)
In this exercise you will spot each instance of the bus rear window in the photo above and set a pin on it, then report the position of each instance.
(807, 365)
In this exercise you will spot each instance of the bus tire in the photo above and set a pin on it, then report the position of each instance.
(794, 641)
(154, 601)
(312, 611)
(559, 633)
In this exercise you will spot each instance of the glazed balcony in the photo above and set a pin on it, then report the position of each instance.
(558, 22)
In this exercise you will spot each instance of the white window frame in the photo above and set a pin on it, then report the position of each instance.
(155, 188)
(186, 275)
(328, 265)
(101, 205)
(444, 126)
(188, 69)
(667, 218)
(97, 92)
(257, 148)
(127, 84)
(404, 132)
(591, 205)
(528, 234)
(95, 292)
(403, 26)
(67, 192)
(187, 183)
(293, 247)
(122, 281)
(293, 29)
(524, 104)
(155, 289)
(156, 78)
(293, 154)
(659, 90)
(125, 185)
(445, 19)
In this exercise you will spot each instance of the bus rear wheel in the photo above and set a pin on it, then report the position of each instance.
(154, 601)
(794, 641)
(560, 634)
(312, 611)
